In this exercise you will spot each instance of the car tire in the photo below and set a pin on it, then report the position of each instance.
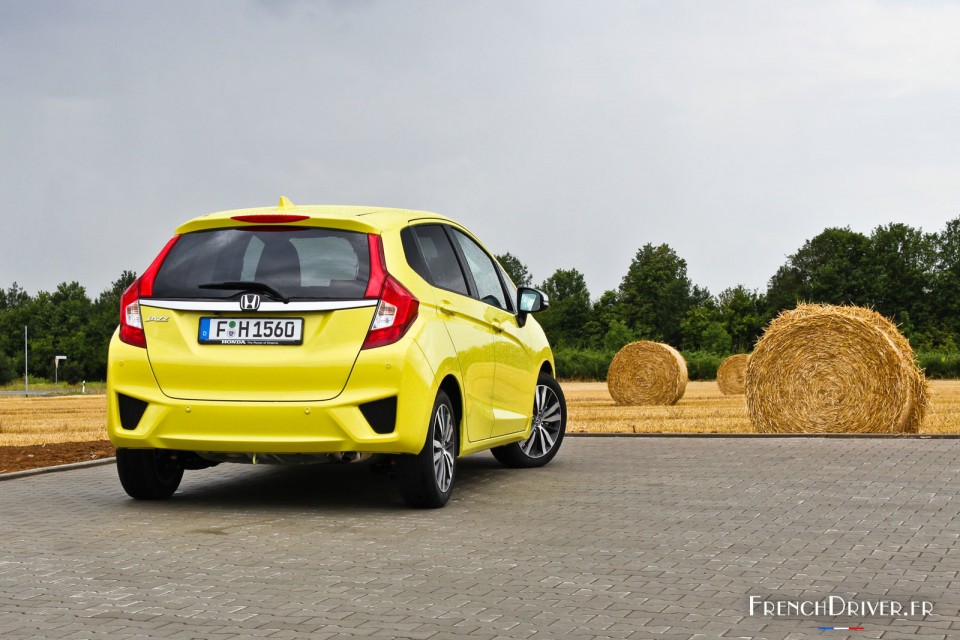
(546, 435)
(426, 479)
(148, 474)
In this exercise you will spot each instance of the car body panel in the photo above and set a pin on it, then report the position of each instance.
(517, 369)
(187, 369)
(474, 341)
(306, 398)
(349, 218)
(329, 426)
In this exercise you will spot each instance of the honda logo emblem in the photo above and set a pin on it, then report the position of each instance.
(249, 302)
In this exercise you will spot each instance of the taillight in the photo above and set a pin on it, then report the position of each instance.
(396, 311)
(397, 308)
(131, 325)
(378, 267)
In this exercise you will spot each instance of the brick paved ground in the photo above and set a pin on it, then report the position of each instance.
(619, 537)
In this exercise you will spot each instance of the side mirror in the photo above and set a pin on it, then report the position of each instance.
(530, 301)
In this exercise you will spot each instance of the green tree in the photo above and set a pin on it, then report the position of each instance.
(945, 299)
(715, 339)
(700, 297)
(744, 316)
(517, 271)
(37, 314)
(15, 297)
(7, 369)
(617, 336)
(13, 317)
(703, 330)
(604, 311)
(655, 294)
(569, 308)
(832, 268)
(902, 262)
(105, 317)
(783, 290)
(67, 312)
(64, 322)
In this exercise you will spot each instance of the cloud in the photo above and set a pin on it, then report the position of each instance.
(567, 133)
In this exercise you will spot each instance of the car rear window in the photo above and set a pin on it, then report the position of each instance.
(301, 263)
(430, 254)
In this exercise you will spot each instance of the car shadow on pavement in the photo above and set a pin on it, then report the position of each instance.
(340, 486)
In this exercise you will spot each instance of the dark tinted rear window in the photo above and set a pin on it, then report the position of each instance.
(431, 255)
(301, 263)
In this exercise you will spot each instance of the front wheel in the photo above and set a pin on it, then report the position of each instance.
(546, 433)
(148, 474)
(426, 479)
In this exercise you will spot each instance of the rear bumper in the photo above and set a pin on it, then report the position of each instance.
(329, 426)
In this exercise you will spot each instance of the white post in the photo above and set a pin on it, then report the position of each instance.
(26, 372)
(83, 388)
(56, 367)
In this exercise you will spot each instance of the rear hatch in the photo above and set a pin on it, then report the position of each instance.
(259, 313)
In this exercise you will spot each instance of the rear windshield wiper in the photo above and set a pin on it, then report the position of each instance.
(236, 285)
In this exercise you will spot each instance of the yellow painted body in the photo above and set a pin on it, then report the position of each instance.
(305, 398)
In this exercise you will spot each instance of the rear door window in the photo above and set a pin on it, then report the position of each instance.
(300, 263)
(484, 271)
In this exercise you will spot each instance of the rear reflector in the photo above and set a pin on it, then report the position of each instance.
(131, 410)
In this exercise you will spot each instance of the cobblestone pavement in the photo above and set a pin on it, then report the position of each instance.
(617, 538)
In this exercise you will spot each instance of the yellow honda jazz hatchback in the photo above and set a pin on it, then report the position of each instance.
(300, 334)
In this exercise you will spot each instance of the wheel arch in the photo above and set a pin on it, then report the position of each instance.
(451, 386)
(547, 368)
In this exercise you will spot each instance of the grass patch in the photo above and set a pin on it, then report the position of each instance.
(58, 388)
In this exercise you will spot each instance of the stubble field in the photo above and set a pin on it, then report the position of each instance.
(49, 420)
(51, 426)
(703, 409)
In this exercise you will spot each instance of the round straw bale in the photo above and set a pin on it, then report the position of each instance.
(647, 373)
(823, 369)
(732, 375)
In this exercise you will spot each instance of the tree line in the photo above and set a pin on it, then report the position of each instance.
(907, 275)
(62, 322)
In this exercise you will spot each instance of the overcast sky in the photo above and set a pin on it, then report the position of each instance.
(567, 133)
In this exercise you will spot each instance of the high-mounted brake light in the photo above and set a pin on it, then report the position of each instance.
(270, 218)
(131, 325)
(273, 218)
(397, 308)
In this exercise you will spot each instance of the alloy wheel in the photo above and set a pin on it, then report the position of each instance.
(443, 445)
(546, 423)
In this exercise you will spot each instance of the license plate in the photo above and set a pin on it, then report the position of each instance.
(251, 331)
